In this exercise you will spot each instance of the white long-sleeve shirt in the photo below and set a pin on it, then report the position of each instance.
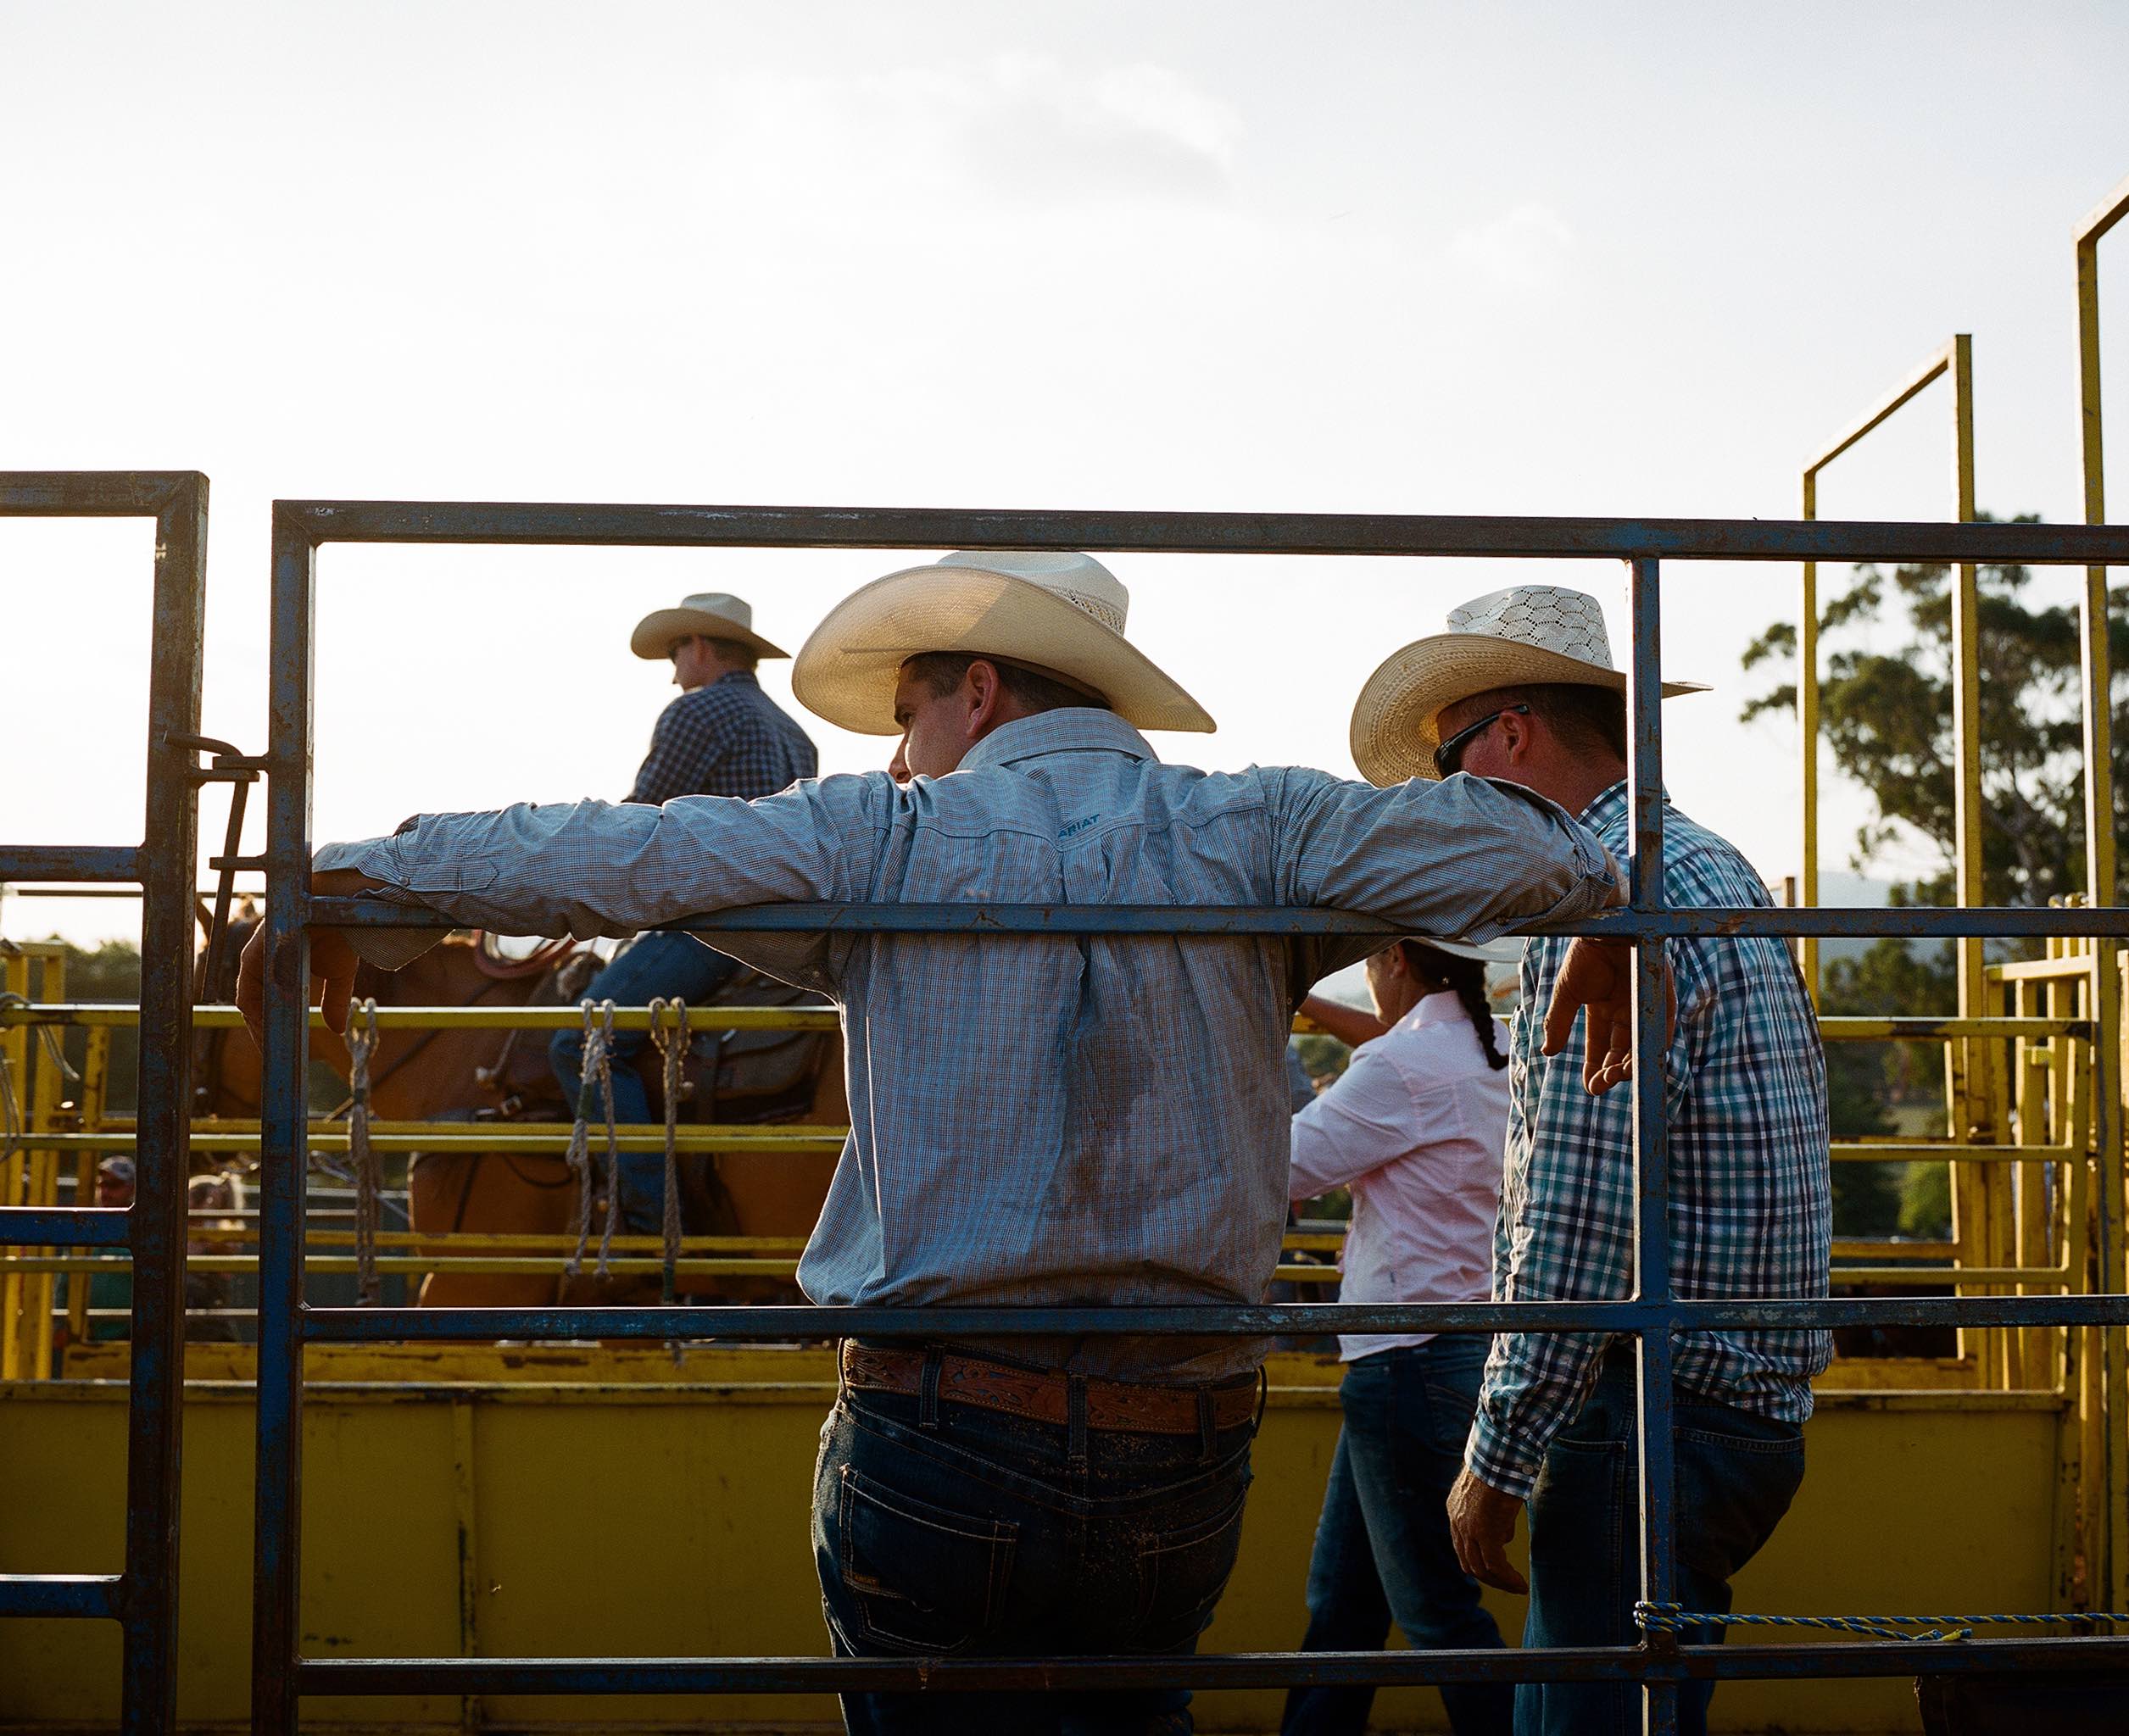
(1415, 1130)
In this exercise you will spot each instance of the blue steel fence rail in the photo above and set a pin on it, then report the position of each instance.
(143, 1596)
(1654, 1315)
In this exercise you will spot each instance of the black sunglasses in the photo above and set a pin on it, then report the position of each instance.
(1446, 756)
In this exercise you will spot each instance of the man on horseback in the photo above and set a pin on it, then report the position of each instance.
(1038, 1119)
(722, 737)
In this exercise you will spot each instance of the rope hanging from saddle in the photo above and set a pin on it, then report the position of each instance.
(597, 1078)
(362, 1043)
(672, 1050)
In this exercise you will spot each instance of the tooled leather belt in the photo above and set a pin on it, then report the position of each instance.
(1127, 1407)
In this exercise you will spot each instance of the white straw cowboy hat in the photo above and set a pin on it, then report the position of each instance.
(1058, 613)
(714, 615)
(1504, 951)
(1525, 636)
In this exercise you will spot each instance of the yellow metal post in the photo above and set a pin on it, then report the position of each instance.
(14, 1081)
(2099, 881)
(41, 1176)
(1808, 738)
(96, 1077)
(1965, 1068)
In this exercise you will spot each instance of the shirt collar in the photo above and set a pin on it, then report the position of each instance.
(1435, 1009)
(1070, 729)
(1606, 808)
(745, 677)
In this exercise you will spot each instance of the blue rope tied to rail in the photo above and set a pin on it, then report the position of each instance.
(1673, 1618)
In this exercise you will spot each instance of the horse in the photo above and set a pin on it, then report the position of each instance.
(449, 1074)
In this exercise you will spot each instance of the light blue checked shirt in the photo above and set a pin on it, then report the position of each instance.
(1751, 1199)
(1036, 1120)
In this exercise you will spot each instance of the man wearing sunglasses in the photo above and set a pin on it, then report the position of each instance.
(1521, 688)
(722, 737)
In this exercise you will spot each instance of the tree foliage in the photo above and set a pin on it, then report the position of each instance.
(1885, 709)
(1885, 712)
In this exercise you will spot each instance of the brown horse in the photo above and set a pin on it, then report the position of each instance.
(453, 1075)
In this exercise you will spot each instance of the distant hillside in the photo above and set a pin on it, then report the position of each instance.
(1858, 891)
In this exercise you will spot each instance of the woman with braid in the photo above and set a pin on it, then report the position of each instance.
(1415, 1130)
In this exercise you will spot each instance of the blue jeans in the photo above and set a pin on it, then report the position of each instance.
(661, 964)
(1383, 1552)
(1736, 1474)
(978, 1535)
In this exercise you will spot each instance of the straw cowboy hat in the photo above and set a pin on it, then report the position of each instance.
(1525, 636)
(1058, 613)
(1505, 951)
(712, 613)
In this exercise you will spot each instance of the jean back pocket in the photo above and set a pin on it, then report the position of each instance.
(918, 1578)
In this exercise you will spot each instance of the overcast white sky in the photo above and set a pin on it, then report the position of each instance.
(1520, 260)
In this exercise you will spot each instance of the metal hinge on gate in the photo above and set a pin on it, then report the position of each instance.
(239, 771)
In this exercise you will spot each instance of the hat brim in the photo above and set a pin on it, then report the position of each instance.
(659, 630)
(1492, 952)
(847, 670)
(1393, 735)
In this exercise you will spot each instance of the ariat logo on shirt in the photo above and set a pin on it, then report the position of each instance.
(1073, 828)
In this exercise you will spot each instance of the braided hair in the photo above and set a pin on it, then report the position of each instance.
(1466, 978)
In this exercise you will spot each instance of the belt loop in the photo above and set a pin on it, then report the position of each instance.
(1264, 1397)
(928, 1387)
(1076, 1423)
(1204, 1430)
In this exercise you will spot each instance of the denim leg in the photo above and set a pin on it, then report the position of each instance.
(1736, 1474)
(1347, 1611)
(1408, 1416)
(661, 964)
(977, 1536)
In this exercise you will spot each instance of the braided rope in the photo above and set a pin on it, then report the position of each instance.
(597, 1083)
(1673, 1618)
(672, 1051)
(362, 1044)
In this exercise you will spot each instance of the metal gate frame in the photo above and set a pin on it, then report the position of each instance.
(143, 1597)
(1956, 358)
(281, 1675)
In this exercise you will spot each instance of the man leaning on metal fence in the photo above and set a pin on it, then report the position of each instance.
(1077, 1119)
(1521, 687)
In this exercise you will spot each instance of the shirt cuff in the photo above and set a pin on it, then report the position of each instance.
(386, 948)
(1494, 1461)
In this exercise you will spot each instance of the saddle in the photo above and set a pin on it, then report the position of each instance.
(732, 1076)
(738, 1077)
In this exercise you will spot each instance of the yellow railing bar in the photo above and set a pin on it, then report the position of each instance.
(824, 1141)
(521, 1267)
(2052, 1277)
(96, 1016)
(1949, 1151)
(1866, 1248)
(715, 1266)
(531, 1242)
(442, 1138)
(95, 1013)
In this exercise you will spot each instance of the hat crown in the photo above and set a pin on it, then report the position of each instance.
(734, 609)
(1079, 579)
(1550, 617)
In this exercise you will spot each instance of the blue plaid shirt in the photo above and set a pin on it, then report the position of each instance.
(1036, 1119)
(1751, 1198)
(728, 738)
